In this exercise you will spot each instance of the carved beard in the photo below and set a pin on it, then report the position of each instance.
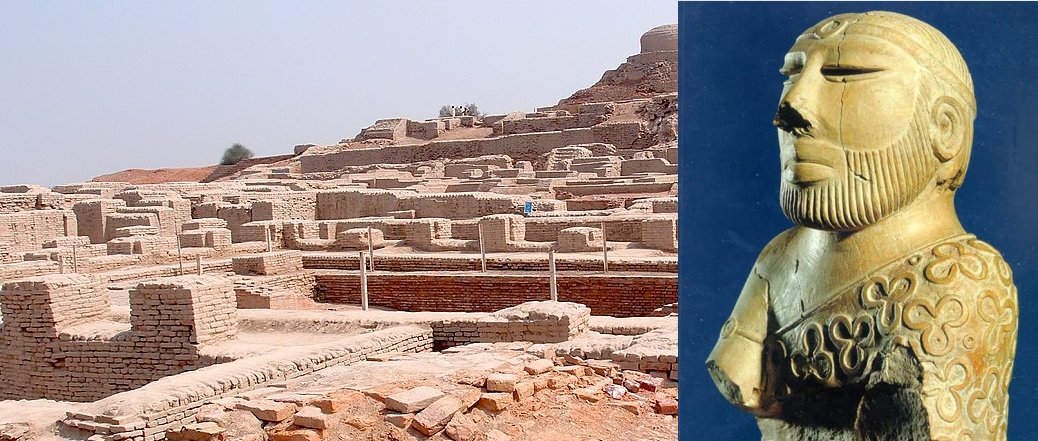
(877, 183)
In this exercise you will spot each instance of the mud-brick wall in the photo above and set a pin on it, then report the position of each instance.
(296, 205)
(388, 262)
(615, 295)
(28, 230)
(43, 354)
(15, 202)
(276, 262)
(532, 125)
(546, 229)
(520, 147)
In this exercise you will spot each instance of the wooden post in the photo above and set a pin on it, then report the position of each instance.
(482, 251)
(270, 247)
(551, 279)
(371, 250)
(198, 264)
(363, 283)
(605, 251)
(180, 257)
(75, 260)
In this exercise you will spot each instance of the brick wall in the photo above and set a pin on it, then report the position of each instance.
(276, 262)
(91, 217)
(661, 234)
(285, 291)
(520, 147)
(544, 124)
(350, 204)
(168, 220)
(120, 219)
(626, 295)
(546, 229)
(389, 262)
(15, 202)
(55, 344)
(147, 413)
(295, 205)
(28, 230)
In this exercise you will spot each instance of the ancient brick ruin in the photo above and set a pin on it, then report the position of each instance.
(129, 309)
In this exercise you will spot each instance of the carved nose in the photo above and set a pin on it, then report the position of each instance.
(790, 120)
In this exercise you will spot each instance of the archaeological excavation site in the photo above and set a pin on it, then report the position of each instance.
(497, 277)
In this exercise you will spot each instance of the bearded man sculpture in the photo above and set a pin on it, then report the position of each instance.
(877, 317)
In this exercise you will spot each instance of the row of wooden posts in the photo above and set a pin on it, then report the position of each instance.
(368, 263)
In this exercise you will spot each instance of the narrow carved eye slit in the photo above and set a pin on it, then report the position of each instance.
(841, 71)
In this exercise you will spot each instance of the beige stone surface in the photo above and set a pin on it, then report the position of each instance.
(268, 410)
(413, 400)
(435, 417)
(175, 298)
(496, 401)
(501, 382)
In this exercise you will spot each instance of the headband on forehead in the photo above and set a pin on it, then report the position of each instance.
(927, 57)
(926, 45)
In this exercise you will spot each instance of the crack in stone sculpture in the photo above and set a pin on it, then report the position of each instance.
(877, 316)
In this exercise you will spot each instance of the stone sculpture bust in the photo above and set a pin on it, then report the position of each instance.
(877, 316)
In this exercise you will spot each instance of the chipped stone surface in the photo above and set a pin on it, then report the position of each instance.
(524, 389)
(667, 406)
(435, 417)
(401, 420)
(296, 435)
(413, 400)
(499, 382)
(496, 401)
(539, 366)
(268, 410)
(615, 392)
(313, 418)
(588, 394)
(462, 428)
(14, 431)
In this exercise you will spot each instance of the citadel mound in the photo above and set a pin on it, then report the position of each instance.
(651, 73)
(504, 277)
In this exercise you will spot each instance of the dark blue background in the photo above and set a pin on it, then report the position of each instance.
(729, 85)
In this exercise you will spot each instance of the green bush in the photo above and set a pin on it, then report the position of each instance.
(235, 154)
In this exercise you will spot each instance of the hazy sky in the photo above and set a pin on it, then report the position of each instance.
(88, 88)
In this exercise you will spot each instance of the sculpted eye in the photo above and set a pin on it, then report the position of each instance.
(844, 71)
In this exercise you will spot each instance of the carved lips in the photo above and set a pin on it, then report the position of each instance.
(813, 161)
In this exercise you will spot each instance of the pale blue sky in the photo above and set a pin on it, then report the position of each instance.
(88, 88)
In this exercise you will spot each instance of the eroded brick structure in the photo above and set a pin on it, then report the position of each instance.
(57, 344)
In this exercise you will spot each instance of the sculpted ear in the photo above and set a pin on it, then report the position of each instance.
(947, 128)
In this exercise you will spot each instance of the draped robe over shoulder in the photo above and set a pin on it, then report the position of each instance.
(931, 334)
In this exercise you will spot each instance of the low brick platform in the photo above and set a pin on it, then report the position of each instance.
(538, 322)
(388, 262)
(275, 262)
(627, 295)
(146, 413)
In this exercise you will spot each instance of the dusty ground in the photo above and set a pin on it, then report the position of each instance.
(159, 175)
(551, 414)
(186, 174)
